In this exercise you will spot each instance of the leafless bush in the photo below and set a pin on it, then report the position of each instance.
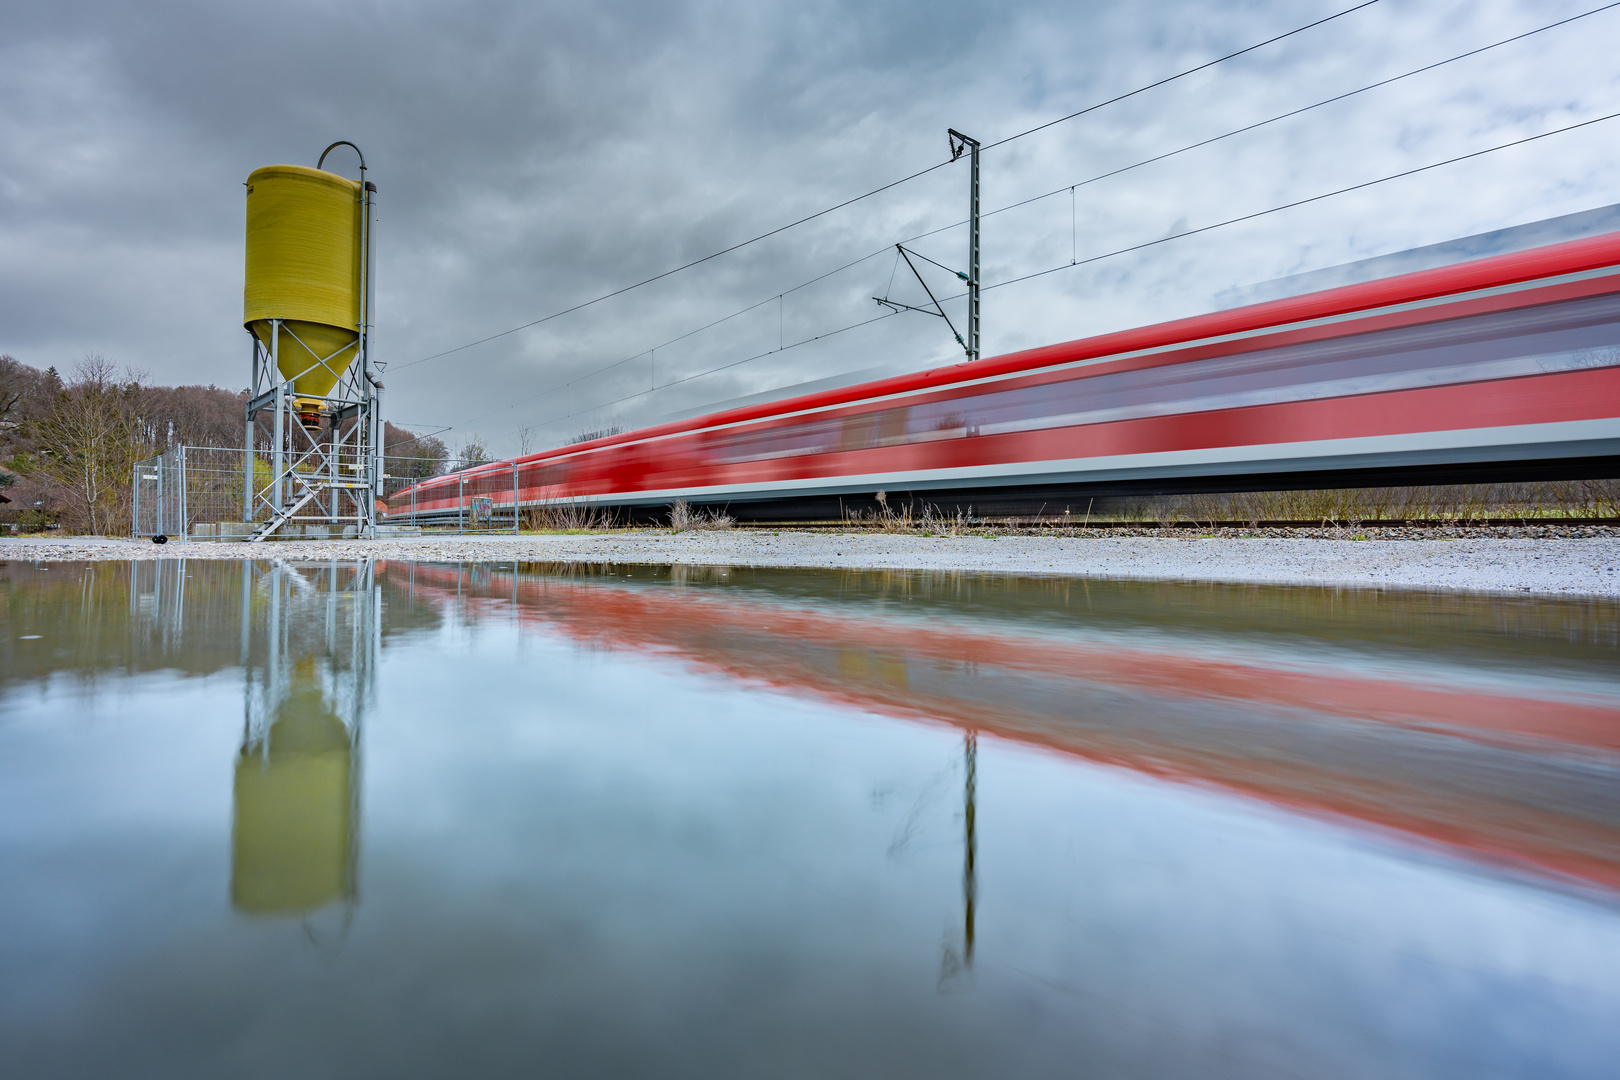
(684, 518)
(573, 516)
(1602, 497)
(1166, 511)
(890, 520)
(953, 525)
(934, 520)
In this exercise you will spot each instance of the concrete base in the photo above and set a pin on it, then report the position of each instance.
(223, 530)
(242, 531)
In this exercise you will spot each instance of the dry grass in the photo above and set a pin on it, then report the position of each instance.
(571, 516)
(929, 520)
(685, 518)
(1352, 507)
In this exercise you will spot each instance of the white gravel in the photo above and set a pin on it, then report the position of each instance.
(1550, 566)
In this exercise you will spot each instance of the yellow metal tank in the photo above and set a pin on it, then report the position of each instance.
(293, 846)
(304, 260)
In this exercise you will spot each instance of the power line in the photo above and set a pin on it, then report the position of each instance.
(723, 367)
(1058, 191)
(677, 338)
(685, 266)
(1131, 248)
(1303, 202)
(1271, 120)
(885, 187)
(1180, 75)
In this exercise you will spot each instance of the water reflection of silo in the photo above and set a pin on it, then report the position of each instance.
(295, 794)
(295, 839)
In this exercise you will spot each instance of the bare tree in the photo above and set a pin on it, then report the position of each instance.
(413, 457)
(90, 440)
(26, 393)
(526, 438)
(473, 452)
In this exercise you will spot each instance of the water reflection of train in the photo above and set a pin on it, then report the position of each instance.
(1497, 369)
(1311, 700)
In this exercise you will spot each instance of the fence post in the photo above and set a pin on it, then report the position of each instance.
(185, 526)
(514, 498)
(461, 504)
(247, 460)
(135, 509)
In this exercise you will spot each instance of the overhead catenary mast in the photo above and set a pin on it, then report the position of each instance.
(970, 344)
(960, 141)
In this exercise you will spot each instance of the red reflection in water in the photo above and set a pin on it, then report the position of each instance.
(1447, 765)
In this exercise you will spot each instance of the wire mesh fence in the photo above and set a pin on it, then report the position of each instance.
(223, 493)
(158, 496)
(487, 500)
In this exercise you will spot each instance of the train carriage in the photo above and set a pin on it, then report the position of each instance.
(1497, 369)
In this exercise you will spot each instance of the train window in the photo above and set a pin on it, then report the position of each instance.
(1536, 340)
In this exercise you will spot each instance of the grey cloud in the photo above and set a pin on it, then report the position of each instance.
(531, 156)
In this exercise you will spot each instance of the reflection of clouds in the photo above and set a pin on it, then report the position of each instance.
(919, 813)
(1301, 722)
(621, 861)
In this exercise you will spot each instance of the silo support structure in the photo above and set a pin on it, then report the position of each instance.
(307, 304)
(322, 473)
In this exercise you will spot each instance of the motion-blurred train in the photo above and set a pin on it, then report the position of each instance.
(1503, 368)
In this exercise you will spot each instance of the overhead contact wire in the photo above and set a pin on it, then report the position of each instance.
(723, 367)
(885, 187)
(1279, 117)
(1075, 261)
(1136, 247)
(1079, 184)
(1178, 75)
(1306, 201)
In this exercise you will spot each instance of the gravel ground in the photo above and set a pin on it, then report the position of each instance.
(1584, 564)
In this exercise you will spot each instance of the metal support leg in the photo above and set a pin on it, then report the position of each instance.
(278, 452)
(333, 473)
(247, 438)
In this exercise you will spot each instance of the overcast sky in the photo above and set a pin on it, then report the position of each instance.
(530, 156)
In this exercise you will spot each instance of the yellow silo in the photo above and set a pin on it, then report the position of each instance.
(304, 261)
(293, 841)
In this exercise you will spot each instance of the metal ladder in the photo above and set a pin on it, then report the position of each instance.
(309, 492)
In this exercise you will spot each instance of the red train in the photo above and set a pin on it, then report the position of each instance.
(1498, 369)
